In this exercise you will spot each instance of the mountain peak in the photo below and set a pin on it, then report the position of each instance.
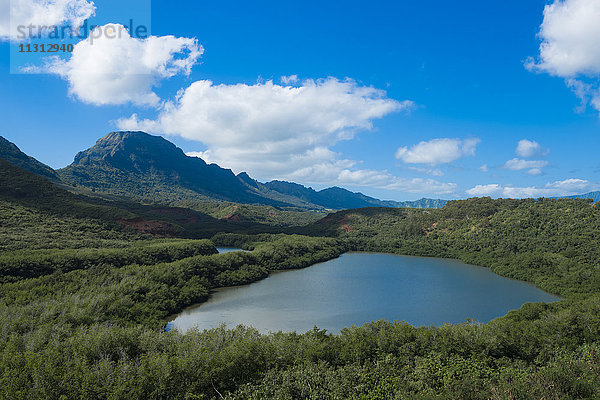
(121, 136)
(132, 150)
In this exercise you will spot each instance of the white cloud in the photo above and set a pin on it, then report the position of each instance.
(15, 13)
(573, 186)
(328, 170)
(569, 34)
(535, 171)
(570, 47)
(116, 68)
(267, 119)
(290, 80)
(484, 168)
(438, 151)
(284, 132)
(485, 190)
(530, 148)
(428, 171)
(327, 173)
(567, 187)
(533, 166)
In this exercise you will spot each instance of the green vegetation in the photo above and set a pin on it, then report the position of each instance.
(23, 227)
(33, 263)
(87, 288)
(245, 213)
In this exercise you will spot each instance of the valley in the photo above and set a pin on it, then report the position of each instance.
(96, 258)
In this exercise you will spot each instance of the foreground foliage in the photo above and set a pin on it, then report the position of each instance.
(95, 331)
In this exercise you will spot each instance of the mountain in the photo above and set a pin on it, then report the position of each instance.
(152, 169)
(12, 154)
(139, 165)
(34, 206)
(136, 164)
(339, 198)
(595, 196)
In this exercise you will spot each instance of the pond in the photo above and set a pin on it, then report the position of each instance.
(223, 250)
(360, 287)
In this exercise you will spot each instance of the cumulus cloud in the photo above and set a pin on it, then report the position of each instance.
(268, 127)
(428, 171)
(567, 187)
(530, 148)
(333, 172)
(290, 80)
(570, 48)
(485, 190)
(533, 167)
(535, 171)
(116, 68)
(15, 13)
(283, 131)
(438, 151)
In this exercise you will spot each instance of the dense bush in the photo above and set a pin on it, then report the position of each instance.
(30, 264)
(96, 332)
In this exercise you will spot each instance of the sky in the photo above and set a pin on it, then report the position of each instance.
(396, 99)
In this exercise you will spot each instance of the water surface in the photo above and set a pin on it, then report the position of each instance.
(223, 250)
(360, 287)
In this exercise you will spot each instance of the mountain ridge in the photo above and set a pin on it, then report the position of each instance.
(340, 198)
(595, 196)
(136, 162)
(151, 169)
(12, 154)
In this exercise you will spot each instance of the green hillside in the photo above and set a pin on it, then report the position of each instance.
(153, 170)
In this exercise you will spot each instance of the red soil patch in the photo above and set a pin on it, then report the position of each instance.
(151, 227)
(348, 228)
(233, 218)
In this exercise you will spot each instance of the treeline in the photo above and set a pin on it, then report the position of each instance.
(30, 264)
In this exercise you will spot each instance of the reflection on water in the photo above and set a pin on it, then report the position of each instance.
(361, 287)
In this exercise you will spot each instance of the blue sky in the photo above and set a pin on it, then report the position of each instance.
(466, 79)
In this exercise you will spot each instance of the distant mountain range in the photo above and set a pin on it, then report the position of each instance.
(595, 196)
(152, 169)
(336, 198)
